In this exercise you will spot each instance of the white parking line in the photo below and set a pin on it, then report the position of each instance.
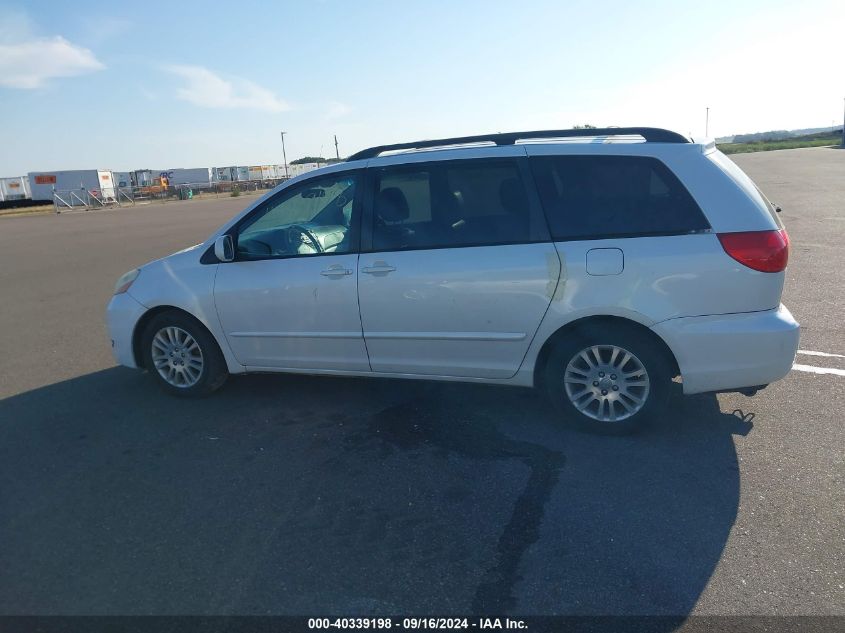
(809, 353)
(819, 370)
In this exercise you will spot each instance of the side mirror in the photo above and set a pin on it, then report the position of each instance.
(224, 248)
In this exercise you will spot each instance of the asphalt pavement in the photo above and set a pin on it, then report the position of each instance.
(301, 495)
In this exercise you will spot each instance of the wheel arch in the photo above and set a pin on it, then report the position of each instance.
(584, 324)
(144, 321)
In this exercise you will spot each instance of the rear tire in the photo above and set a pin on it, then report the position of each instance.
(608, 380)
(182, 355)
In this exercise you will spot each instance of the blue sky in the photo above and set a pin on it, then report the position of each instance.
(189, 84)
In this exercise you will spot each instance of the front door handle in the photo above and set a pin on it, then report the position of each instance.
(336, 271)
(378, 268)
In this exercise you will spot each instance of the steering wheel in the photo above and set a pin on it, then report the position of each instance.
(307, 233)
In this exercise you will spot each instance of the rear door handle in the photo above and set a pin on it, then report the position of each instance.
(378, 268)
(336, 271)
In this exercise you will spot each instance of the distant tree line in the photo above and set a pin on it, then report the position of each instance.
(762, 137)
(807, 134)
(315, 159)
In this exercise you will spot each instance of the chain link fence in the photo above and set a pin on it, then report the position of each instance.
(86, 199)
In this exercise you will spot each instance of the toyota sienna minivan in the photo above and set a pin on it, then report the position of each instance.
(596, 265)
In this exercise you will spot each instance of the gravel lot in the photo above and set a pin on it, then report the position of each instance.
(297, 495)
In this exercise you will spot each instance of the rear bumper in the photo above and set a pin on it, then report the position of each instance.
(122, 315)
(731, 351)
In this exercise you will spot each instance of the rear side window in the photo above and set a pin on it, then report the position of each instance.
(590, 197)
(450, 204)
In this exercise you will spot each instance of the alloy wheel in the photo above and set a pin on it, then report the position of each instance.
(606, 383)
(177, 357)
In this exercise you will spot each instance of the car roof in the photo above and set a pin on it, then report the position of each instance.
(647, 134)
(633, 141)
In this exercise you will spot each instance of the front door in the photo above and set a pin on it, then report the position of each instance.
(459, 270)
(290, 298)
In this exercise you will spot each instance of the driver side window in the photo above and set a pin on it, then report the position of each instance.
(313, 218)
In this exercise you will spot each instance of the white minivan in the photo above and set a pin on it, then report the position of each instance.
(597, 265)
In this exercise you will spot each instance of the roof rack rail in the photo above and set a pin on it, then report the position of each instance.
(650, 134)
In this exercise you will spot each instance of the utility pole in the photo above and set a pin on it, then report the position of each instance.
(843, 129)
(336, 151)
(284, 155)
(707, 123)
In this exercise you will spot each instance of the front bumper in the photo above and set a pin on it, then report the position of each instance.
(731, 351)
(122, 316)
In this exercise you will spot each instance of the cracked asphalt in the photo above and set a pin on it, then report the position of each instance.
(299, 495)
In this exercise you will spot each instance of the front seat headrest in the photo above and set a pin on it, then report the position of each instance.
(391, 205)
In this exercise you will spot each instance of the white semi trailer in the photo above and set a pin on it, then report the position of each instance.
(297, 169)
(82, 182)
(231, 174)
(16, 188)
(281, 172)
(122, 179)
(224, 174)
(190, 176)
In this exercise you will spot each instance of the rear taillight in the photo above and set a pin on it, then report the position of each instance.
(766, 251)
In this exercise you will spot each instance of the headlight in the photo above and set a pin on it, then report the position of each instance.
(125, 281)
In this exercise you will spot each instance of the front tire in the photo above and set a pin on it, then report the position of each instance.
(608, 380)
(182, 355)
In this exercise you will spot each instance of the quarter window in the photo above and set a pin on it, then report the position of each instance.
(588, 197)
(311, 219)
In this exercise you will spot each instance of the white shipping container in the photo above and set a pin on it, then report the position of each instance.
(225, 174)
(122, 179)
(281, 172)
(189, 176)
(231, 174)
(16, 188)
(142, 177)
(303, 168)
(106, 180)
(82, 182)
